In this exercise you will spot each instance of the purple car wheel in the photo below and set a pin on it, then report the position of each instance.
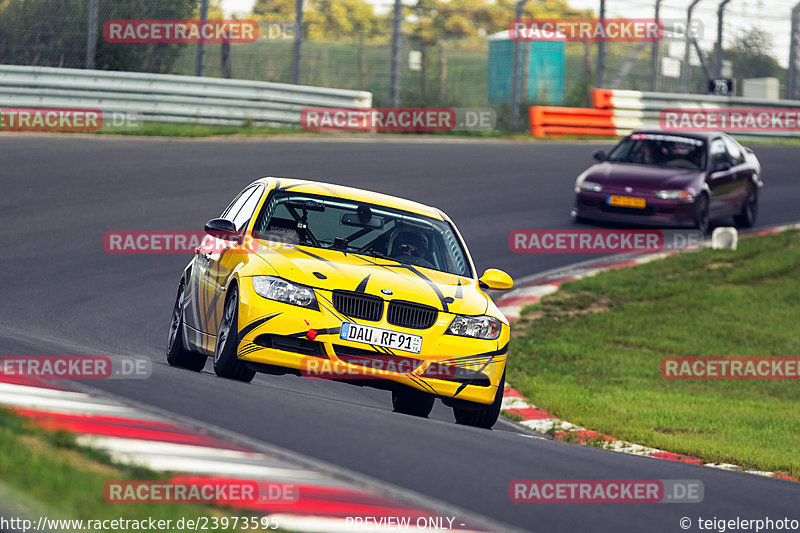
(747, 218)
(701, 213)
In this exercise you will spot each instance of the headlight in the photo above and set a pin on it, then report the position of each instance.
(587, 185)
(479, 327)
(281, 290)
(673, 195)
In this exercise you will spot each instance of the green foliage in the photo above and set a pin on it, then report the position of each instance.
(54, 32)
(752, 55)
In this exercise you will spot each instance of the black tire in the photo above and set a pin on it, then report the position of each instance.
(226, 363)
(701, 220)
(485, 416)
(177, 354)
(747, 218)
(412, 402)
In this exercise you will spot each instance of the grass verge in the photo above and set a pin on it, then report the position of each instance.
(590, 353)
(158, 129)
(50, 474)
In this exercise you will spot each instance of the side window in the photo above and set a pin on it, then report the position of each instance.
(236, 204)
(737, 158)
(719, 155)
(244, 215)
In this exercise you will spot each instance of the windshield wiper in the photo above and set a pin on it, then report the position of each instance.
(381, 255)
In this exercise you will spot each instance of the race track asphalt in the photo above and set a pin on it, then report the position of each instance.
(62, 294)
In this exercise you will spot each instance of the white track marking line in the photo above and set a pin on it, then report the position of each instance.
(139, 451)
(133, 446)
(515, 402)
(629, 448)
(171, 463)
(546, 424)
(63, 405)
(39, 391)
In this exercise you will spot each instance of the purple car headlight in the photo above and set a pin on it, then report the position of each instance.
(586, 185)
(674, 195)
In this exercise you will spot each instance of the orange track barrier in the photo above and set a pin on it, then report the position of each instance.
(601, 98)
(548, 121)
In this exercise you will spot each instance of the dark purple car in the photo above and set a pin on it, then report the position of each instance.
(671, 179)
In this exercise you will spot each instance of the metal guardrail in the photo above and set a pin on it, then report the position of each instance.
(650, 101)
(169, 98)
(638, 109)
(619, 112)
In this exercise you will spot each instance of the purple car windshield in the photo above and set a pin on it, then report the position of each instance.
(661, 150)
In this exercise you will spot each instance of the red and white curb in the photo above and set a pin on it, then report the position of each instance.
(134, 436)
(534, 288)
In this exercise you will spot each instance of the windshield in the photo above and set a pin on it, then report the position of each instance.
(661, 150)
(353, 227)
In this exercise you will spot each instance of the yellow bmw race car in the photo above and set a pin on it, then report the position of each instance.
(333, 282)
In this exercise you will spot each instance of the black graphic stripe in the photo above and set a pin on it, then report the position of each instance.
(422, 382)
(250, 348)
(501, 351)
(416, 272)
(362, 286)
(253, 325)
(315, 256)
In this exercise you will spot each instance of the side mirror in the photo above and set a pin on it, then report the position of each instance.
(221, 228)
(600, 155)
(495, 280)
(721, 166)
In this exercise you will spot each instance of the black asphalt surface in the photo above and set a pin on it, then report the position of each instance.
(62, 294)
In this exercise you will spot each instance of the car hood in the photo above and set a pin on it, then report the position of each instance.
(331, 269)
(642, 177)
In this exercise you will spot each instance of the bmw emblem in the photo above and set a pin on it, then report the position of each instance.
(628, 189)
(387, 292)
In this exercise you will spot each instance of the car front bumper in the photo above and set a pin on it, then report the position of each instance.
(449, 366)
(674, 213)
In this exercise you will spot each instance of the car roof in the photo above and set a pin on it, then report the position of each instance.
(704, 135)
(354, 194)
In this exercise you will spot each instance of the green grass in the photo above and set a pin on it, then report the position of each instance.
(592, 358)
(159, 129)
(516, 417)
(49, 473)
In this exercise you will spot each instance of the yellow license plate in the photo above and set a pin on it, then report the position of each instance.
(626, 201)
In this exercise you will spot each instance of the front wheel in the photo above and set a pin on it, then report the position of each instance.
(177, 354)
(484, 416)
(701, 220)
(747, 217)
(226, 363)
(412, 402)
